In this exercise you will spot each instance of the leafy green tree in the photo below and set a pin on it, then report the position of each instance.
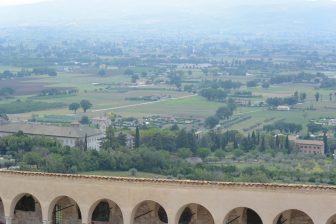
(84, 120)
(184, 153)
(129, 72)
(121, 139)
(203, 152)
(109, 141)
(133, 172)
(74, 107)
(174, 127)
(7, 91)
(224, 112)
(303, 97)
(86, 105)
(211, 122)
(314, 128)
(134, 78)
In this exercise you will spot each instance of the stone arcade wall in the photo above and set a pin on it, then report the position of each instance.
(69, 215)
(2, 213)
(115, 215)
(267, 200)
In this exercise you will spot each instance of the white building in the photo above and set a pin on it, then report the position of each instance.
(283, 108)
(68, 136)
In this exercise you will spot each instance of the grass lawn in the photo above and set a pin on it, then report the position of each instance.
(123, 174)
(196, 107)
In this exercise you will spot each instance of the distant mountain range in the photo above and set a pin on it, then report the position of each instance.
(274, 17)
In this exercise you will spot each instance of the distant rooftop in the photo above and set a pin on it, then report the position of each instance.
(49, 130)
(310, 142)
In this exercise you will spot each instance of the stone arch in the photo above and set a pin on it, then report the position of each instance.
(26, 208)
(64, 210)
(332, 220)
(194, 213)
(108, 211)
(242, 215)
(149, 212)
(2, 213)
(293, 216)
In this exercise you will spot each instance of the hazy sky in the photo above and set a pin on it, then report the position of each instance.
(312, 15)
(26, 2)
(19, 2)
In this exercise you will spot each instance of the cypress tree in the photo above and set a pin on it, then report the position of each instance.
(263, 144)
(326, 145)
(137, 137)
(254, 138)
(258, 138)
(235, 143)
(287, 142)
(86, 143)
(277, 141)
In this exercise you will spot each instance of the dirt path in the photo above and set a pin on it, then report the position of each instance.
(141, 104)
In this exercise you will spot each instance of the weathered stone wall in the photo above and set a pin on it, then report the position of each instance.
(148, 212)
(200, 215)
(268, 200)
(294, 217)
(332, 220)
(24, 217)
(2, 213)
(70, 214)
(115, 215)
(298, 217)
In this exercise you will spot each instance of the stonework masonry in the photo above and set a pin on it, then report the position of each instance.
(72, 199)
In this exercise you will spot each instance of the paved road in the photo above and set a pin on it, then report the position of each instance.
(141, 104)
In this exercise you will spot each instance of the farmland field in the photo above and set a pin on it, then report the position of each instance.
(111, 94)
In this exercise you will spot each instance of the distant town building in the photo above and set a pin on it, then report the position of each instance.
(332, 122)
(194, 66)
(310, 146)
(130, 141)
(101, 122)
(68, 136)
(283, 108)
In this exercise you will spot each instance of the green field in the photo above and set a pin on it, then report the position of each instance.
(108, 94)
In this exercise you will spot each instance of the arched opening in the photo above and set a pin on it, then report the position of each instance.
(195, 214)
(332, 220)
(243, 215)
(105, 212)
(2, 213)
(65, 210)
(293, 216)
(150, 212)
(27, 210)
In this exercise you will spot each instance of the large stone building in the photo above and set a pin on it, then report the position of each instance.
(68, 136)
(310, 146)
(44, 198)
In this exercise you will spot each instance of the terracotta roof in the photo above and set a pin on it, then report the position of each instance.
(49, 130)
(176, 182)
(309, 142)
